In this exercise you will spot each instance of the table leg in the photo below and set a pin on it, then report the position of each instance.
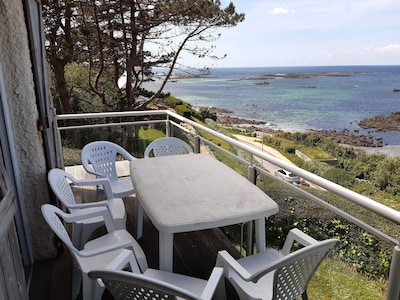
(260, 234)
(166, 248)
(139, 219)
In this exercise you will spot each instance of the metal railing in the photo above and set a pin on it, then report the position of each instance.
(173, 120)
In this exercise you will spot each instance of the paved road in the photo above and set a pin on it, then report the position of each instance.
(256, 143)
(268, 166)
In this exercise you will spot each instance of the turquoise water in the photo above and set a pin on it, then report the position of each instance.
(319, 102)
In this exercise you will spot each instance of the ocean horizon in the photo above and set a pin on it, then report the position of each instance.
(299, 98)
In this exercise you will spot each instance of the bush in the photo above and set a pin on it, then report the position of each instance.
(183, 110)
(172, 101)
(339, 176)
(205, 113)
(387, 175)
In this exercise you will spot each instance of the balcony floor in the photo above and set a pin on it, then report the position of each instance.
(194, 254)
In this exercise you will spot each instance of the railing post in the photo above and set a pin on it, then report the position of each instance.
(252, 174)
(168, 128)
(393, 291)
(196, 144)
(59, 147)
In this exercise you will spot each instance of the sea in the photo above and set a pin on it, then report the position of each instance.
(299, 98)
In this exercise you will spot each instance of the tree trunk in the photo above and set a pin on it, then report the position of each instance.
(63, 94)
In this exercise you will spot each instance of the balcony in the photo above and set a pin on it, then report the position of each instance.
(322, 201)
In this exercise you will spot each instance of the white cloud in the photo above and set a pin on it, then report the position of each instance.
(313, 32)
(279, 11)
(389, 49)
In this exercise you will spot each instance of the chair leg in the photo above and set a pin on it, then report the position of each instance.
(220, 292)
(77, 235)
(76, 281)
(304, 296)
(91, 291)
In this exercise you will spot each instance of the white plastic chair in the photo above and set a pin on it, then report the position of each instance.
(105, 252)
(98, 158)
(167, 146)
(161, 285)
(276, 275)
(59, 181)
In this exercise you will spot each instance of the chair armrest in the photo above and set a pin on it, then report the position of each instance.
(225, 260)
(140, 257)
(105, 182)
(126, 257)
(105, 248)
(83, 214)
(90, 170)
(299, 236)
(88, 204)
(126, 154)
(215, 285)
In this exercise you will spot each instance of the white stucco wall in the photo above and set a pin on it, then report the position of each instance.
(16, 65)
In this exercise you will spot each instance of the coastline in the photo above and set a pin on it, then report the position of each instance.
(302, 99)
(345, 138)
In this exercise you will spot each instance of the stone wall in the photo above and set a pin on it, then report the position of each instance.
(16, 65)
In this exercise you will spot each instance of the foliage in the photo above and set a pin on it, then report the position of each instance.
(205, 113)
(339, 176)
(184, 110)
(314, 153)
(115, 38)
(382, 171)
(387, 175)
(335, 280)
(281, 143)
(172, 102)
(317, 167)
(146, 136)
(358, 249)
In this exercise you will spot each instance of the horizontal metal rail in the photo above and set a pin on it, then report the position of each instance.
(363, 201)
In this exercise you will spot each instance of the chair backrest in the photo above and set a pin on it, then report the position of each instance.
(127, 285)
(52, 215)
(295, 270)
(59, 184)
(99, 158)
(167, 146)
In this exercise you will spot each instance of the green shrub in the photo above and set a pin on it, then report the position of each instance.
(339, 176)
(172, 101)
(387, 175)
(183, 110)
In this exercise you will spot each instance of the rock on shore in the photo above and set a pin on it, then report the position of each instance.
(379, 123)
(382, 123)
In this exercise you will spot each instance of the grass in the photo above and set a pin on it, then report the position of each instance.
(72, 156)
(314, 153)
(335, 280)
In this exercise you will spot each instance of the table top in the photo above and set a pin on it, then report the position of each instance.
(191, 192)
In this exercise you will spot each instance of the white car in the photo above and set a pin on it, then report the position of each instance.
(287, 176)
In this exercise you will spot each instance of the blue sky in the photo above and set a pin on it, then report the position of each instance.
(311, 33)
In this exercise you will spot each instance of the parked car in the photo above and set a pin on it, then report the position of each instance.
(287, 176)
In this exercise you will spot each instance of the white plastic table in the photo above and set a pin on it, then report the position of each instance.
(192, 192)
